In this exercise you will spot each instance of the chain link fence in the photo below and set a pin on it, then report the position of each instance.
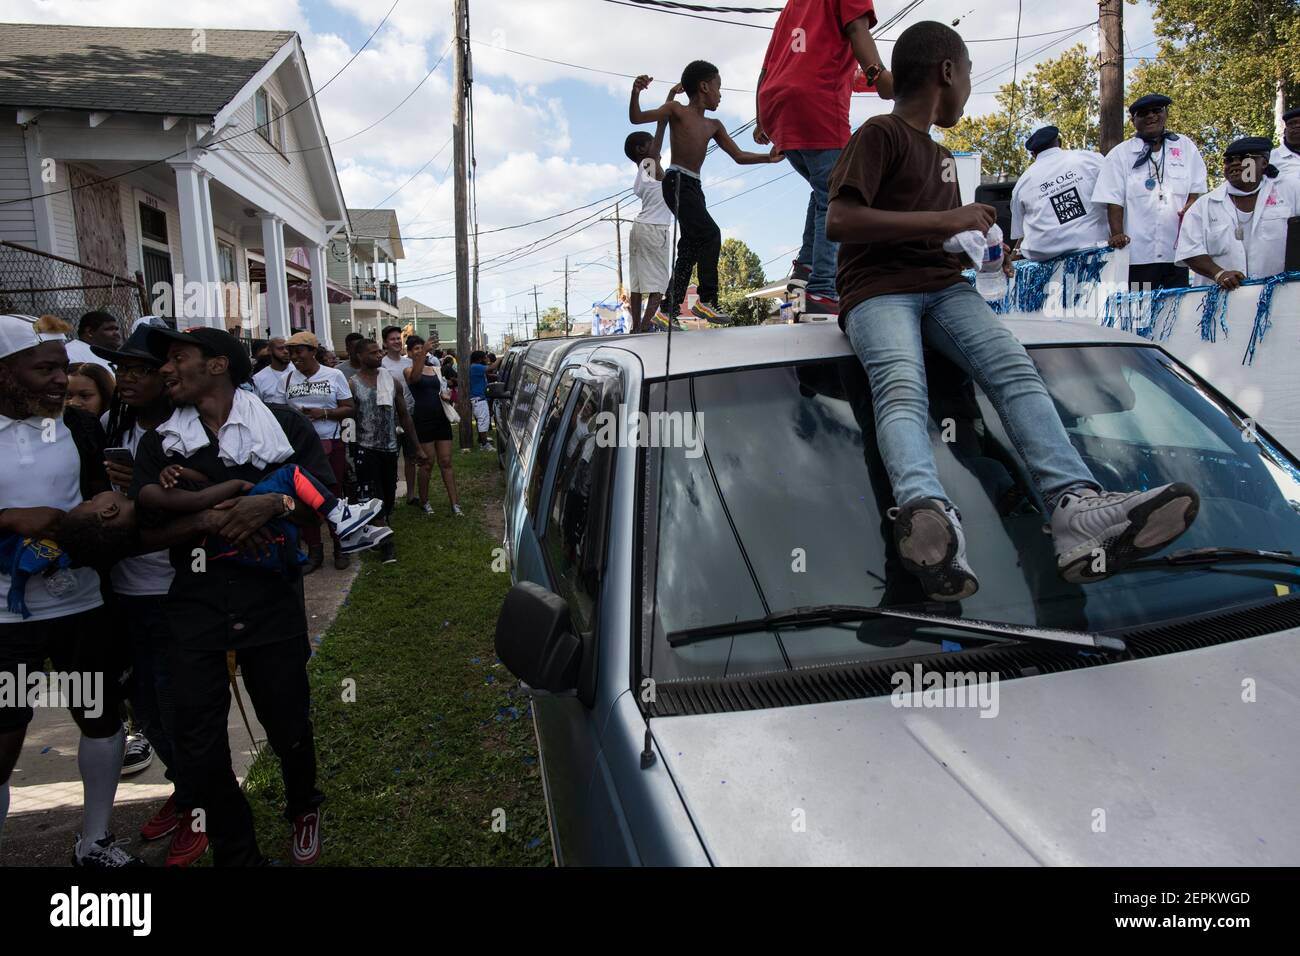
(40, 283)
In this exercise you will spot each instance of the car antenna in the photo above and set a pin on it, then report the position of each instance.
(647, 755)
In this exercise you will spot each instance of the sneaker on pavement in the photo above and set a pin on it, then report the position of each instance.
(306, 838)
(347, 518)
(819, 307)
(932, 547)
(1097, 533)
(105, 854)
(363, 539)
(189, 842)
(138, 756)
(341, 560)
(161, 823)
(702, 310)
(315, 558)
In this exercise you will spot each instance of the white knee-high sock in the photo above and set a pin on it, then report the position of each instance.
(100, 763)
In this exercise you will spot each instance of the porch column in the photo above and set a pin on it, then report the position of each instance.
(277, 285)
(198, 250)
(320, 303)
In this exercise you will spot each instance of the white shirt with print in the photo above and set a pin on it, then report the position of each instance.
(323, 390)
(1151, 215)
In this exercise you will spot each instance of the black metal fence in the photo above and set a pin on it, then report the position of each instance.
(40, 283)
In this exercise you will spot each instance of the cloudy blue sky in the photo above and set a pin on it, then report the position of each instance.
(549, 136)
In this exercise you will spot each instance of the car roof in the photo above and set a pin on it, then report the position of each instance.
(748, 346)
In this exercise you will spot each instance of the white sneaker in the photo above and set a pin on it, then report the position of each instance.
(1097, 534)
(363, 539)
(455, 509)
(932, 547)
(347, 518)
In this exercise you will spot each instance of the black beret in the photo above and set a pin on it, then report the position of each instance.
(1041, 138)
(1150, 101)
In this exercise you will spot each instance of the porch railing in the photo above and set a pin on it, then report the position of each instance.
(40, 283)
(370, 290)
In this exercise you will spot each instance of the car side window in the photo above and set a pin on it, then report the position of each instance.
(523, 402)
(546, 440)
(565, 538)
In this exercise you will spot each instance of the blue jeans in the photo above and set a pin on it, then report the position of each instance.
(815, 165)
(888, 332)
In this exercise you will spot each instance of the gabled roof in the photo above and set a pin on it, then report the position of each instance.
(129, 69)
(377, 223)
(406, 305)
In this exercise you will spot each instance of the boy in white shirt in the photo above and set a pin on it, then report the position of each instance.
(649, 247)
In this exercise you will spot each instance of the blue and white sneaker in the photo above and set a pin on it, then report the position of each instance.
(365, 538)
(933, 548)
(347, 518)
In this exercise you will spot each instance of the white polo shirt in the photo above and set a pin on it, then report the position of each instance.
(1151, 215)
(1209, 229)
(79, 351)
(1287, 162)
(1051, 206)
(272, 387)
(36, 473)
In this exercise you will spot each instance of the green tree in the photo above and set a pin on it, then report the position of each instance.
(1222, 64)
(740, 272)
(1060, 91)
(552, 320)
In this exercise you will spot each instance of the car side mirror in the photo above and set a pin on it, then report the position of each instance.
(497, 390)
(535, 639)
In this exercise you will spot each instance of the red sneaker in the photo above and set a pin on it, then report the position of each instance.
(306, 838)
(188, 844)
(161, 823)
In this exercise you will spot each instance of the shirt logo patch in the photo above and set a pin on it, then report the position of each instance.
(1271, 200)
(1068, 206)
(1176, 151)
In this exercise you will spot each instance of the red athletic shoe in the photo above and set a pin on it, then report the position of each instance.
(161, 823)
(187, 845)
(306, 838)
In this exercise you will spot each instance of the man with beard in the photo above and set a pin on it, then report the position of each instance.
(48, 459)
(1147, 183)
(225, 433)
(270, 381)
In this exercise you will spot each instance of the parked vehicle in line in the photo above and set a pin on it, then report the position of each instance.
(722, 646)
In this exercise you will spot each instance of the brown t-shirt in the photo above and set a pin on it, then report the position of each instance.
(893, 166)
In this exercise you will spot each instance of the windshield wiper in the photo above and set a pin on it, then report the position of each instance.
(815, 615)
(1192, 557)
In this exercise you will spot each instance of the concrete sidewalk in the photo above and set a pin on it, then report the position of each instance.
(45, 789)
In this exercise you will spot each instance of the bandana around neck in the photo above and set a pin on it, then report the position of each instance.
(1150, 145)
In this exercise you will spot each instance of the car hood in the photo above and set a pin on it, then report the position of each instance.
(1188, 759)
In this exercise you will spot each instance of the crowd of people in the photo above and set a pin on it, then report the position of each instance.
(161, 500)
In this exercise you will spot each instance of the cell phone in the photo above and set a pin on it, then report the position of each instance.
(120, 456)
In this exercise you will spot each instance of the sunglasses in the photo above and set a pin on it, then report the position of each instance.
(1149, 111)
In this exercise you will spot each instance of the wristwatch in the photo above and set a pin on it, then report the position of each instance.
(872, 72)
(289, 504)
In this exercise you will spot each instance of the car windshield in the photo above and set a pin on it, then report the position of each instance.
(782, 500)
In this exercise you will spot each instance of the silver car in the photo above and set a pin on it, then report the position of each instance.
(729, 666)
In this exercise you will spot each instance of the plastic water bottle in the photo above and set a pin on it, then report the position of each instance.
(989, 281)
(787, 311)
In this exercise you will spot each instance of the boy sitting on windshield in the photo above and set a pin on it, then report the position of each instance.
(893, 202)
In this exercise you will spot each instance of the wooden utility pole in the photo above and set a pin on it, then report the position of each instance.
(1111, 69)
(537, 311)
(565, 270)
(459, 89)
(618, 242)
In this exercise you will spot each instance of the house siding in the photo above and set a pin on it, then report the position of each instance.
(17, 220)
(287, 170)
(65, 223)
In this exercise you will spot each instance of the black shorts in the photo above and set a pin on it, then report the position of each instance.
(82, 644)
(433, 429)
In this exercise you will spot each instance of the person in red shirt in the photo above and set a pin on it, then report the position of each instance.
(803, 108)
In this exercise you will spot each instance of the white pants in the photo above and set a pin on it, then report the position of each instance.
(479, 407)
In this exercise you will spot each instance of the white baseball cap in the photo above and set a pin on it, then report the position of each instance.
(18, 333)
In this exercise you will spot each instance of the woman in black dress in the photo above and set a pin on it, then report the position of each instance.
(433, 430)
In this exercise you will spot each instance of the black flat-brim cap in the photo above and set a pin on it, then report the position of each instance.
(1149, 102)
(1249, 146)
(1291, 114)
(1038, 141)
(214, 342)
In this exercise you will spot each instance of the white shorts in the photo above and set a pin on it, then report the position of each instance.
(649, 258)
(479, 407)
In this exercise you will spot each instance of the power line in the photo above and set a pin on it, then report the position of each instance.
(683, 13)
(700, 8)
(180, 152)
(380, 204)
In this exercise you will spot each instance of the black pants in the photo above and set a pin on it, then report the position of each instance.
(1159, 275)
(699, 242)
(275, 677)
(377, 477)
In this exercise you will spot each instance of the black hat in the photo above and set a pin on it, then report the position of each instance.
(135, 348)
(213, 342)
(1291, 114)
(1249, 146)
(1150, 101)
(1040, 139)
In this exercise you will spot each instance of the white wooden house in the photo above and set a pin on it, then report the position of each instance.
(364, 261)
(194, 156)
